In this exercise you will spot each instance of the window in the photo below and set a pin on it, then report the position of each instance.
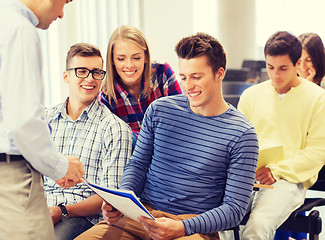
(295, 16)
(84, 21)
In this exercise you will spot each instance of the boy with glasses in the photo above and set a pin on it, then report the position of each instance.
(84, 127)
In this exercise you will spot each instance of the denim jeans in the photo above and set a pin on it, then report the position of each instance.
(71, 228)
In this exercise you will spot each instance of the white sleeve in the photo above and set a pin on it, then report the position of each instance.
(22, 103)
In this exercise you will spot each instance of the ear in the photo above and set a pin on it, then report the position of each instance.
(66, 76)
(220, 74)
(298, 62)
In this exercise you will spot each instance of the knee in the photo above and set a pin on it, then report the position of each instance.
(258, 227)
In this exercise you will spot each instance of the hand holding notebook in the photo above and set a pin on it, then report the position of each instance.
(124, 201)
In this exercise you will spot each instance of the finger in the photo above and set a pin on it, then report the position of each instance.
(259, 172)
(107, 207)
(80, 180)
(260, 177)
(82, 171)
(270, 181)
(264, 179)
(69, 183)
(78, 175)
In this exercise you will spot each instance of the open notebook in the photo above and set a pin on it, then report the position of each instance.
(270, 155)
(123, 200)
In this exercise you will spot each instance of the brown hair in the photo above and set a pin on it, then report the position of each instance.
(283, 43)
(83, 50)
(202, 44)
(314, 46)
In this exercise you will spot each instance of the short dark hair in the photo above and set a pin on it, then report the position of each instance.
(202, 44)
(314, 46)
(283, 43)
(83, 50)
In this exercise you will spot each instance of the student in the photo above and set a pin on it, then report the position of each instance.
(132, 81)
(311, 65)
(194, 163)
(85, 127)
(285, 110)
(26, 150)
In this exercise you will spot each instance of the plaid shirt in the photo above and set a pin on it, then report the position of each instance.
(130, 109)
(101, 140)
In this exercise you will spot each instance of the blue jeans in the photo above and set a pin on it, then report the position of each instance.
(71, 228)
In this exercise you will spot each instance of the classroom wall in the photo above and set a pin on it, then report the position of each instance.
(164, 23)
(231, 21)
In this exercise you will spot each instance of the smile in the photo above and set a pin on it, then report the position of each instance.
(128, 73)
(194, 94)
(88, 87)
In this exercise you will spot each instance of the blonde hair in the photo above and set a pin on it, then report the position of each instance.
(134, 35)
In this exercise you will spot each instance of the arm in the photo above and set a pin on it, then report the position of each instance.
(22, 102)
(118, 144)
(88, 207)
(304, 165)
(135, 173)
(239, 184)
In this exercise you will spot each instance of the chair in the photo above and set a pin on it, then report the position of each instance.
(232, 90)
(254, 65)
(310, 224)
(236, 75)
(255, 68)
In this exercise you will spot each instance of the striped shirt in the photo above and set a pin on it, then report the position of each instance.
(184, 163)
(130, 109)
(101, 140)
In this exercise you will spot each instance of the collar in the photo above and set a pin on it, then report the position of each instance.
(124, 93)
(89, 112)
(25, 11)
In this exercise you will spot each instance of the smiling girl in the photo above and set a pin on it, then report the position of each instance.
(132, 81)
(312, 62)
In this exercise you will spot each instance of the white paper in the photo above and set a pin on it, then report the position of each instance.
(123, 200)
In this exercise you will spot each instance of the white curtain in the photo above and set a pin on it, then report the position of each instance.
(91, 21)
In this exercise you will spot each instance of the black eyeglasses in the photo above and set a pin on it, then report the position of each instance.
(82, 72)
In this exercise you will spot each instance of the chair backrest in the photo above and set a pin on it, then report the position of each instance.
(256, 68)
(254, 65)
(236, 75)
(232, 90)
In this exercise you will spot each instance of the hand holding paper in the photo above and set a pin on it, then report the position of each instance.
(269, 155)
(125, 201)
(110, 214)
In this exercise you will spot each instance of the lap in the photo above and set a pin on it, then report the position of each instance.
(271, 207)
(278, 202)
(71, 228)
(129, 229)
